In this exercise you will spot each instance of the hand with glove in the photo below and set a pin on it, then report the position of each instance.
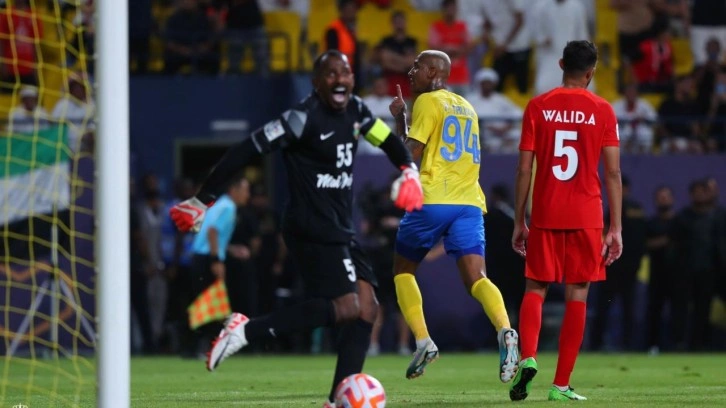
(189, 214)
(406, 191)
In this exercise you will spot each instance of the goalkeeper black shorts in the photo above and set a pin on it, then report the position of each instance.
(330, 270)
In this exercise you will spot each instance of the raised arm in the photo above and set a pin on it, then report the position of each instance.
(231, 164)
(406, 192)
(276, 134)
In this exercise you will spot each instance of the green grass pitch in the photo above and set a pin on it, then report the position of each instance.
(456, 380)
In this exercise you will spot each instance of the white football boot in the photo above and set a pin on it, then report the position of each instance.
(230, 340)
(424, 355)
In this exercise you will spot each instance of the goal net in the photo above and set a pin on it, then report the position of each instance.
(47, 276)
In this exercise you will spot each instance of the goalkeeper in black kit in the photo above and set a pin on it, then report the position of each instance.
(318, 138)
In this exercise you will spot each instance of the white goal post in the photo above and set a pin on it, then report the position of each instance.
(112, 205)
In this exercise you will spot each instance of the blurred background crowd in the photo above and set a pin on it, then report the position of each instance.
(662, 66)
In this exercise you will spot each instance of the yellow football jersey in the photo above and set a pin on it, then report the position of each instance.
(448, 126)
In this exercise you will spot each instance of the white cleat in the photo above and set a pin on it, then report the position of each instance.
(329, 404)
(421, 358)
(230, 340)
(508, 354)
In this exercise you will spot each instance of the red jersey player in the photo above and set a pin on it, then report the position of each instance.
(567, 130)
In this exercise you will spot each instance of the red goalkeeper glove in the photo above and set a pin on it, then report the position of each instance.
(406, 191)
(188, 215)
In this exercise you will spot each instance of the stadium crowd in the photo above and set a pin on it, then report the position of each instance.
(663, 60)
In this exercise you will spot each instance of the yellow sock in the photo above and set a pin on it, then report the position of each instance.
(411, 304)
(491, 299)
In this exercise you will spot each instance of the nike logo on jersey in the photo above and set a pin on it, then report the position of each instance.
(324, 136)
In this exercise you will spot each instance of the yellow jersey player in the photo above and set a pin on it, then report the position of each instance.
(444, 136)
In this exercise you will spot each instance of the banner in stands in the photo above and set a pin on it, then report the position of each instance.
(40, 265)
(35, 173)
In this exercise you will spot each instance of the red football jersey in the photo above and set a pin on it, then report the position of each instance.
(567, 129)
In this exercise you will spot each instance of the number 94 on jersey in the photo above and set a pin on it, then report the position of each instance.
(459, 141)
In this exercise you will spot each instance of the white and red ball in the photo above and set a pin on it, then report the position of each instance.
(360, 391)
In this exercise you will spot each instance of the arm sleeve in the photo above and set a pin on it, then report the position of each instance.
(396, 151)
(378, 133)
(425, 116)
(274, 135)
(612, 135)
(528, 129)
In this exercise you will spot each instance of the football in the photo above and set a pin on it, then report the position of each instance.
(360, 391)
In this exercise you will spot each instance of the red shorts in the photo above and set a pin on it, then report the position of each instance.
(572, 256)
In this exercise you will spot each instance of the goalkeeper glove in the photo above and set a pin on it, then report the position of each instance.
(406, 191)
(189, 214)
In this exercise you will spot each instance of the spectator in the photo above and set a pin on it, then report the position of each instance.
(511, 38)
(383, 220)
(677, 15)
(696, 232)
(558, 21)
(653, 65)
(189, 40)
(705, 74)
(504, 267)
(636, 118)
(451, 36)
(29, 116)
(84, 41)
(395, 55)
(341, 35)
(20, 34)
(141, 25)
(716, 121)
(244, 28)
(377, 101)
(635, 19)
(708, 20)
(176, 248)
(720, 215)
(151, 218)
(138, 298)
(499, 116)
(678, 129)
(622, 275)
(474, 16)
(661, 250)
(76, 108)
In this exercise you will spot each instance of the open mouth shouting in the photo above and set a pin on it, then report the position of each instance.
(339, 94)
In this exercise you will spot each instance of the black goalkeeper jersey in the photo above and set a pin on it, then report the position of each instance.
(319, 147)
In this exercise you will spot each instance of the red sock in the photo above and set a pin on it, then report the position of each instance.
(571, 334)
(530, 322)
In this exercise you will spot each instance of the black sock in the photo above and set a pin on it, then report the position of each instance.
(307, 315)
(353, 341)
